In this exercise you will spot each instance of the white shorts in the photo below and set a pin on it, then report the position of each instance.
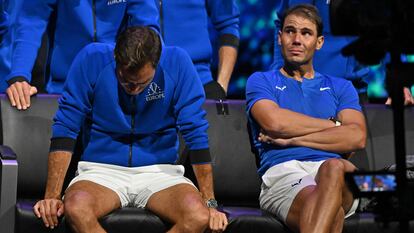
(134, 185)
(282, 182)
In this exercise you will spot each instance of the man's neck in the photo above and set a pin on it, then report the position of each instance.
(298, 72)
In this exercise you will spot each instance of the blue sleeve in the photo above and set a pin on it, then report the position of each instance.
(224, 16)
(347, 97)
(75, 103)
(32, 21)
(189, 99)
(143, 13)
(258, 88)
(3, 21)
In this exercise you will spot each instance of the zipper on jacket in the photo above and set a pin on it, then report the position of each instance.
(161, 19)
(95, 36)
(132, 131)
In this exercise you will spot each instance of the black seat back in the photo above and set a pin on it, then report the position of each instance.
(380, 139)
(236, 181)
(28, 134)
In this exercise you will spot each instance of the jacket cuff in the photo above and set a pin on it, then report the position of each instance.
(62, 144)
(200, 156)
(229, 40)
(16, 79)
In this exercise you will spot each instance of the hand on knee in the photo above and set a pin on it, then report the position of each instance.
(218, 220)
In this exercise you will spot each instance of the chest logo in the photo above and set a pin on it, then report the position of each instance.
(281, 88)
(324, 88)
(112, 2)
(154, 92)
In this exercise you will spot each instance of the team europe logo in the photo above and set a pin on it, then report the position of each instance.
(154, 92)
(112, 2)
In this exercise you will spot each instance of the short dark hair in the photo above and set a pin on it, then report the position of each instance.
(136, 46)
(307, 11)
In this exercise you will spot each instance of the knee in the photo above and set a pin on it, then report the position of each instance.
(333, 167)
(78, 207)
(340, 215)
(200, 219)
(197, 216)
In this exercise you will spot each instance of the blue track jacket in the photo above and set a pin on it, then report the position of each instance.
(3, 21)
(184, 23)
(128, 130)
(10, 11)
(72, 25)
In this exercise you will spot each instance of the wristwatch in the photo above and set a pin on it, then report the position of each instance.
(336, 121)
(212, 203)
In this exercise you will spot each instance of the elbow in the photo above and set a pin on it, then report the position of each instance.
(360, 140)
(273, 128)
(360, 145)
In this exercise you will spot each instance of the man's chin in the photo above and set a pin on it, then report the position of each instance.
(296, 63)
(132, 92)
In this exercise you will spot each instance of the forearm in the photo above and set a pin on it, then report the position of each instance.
(297, 124)
(58, 164)
(227, 60)
(342, 139)
(283, 123)
(31, 23)
(23, 60)
(204, 175)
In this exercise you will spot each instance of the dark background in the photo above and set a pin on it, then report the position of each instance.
(256, 49)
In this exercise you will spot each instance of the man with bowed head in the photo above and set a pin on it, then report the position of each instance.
(130, 107)
(70, 26)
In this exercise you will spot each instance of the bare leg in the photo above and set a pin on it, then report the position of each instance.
(85, 202)
(347, 197)
(315, 208)
(181, 205)
(339, 221)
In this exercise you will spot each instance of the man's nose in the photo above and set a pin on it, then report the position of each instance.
(297, 38)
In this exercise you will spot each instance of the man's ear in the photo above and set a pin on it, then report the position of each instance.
(279, 34)
(319, 42)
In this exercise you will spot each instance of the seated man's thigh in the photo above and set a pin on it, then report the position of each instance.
(349, 204)
(176, 203)
(91, 196)
(282, 183)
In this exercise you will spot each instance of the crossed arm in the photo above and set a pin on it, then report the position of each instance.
(287, 128)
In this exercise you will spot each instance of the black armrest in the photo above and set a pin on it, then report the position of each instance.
(8, 188)
(7, 153)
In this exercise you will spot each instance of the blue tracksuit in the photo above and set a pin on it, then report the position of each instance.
(184, 23)
(10, 10)
(329, 59)
(3, 21)
(73, 25)
(322, 97)
(127, 130)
